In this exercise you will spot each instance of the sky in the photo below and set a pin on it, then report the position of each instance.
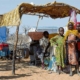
(29, 20)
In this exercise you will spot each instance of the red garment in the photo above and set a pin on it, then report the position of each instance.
(2, 45)
(78, 22)
(78, 44)
(76, 25)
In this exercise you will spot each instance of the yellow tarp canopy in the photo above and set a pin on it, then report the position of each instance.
(54, 10)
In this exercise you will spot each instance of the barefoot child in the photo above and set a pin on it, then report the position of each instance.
(59, 42)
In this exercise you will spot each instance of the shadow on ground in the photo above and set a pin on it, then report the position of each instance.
(14, 77)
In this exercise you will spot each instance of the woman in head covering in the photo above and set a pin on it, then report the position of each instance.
(70, 30)
(70, 38)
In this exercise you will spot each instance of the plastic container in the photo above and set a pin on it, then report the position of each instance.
(35, 35)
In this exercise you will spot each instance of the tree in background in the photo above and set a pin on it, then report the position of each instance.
(26, 29)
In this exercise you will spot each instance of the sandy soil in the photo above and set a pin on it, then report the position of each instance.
(26, 72)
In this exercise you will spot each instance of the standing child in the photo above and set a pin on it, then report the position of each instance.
(59, 42)
(44, 44)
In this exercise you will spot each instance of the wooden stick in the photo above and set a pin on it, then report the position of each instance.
(37, 14)
(37, 23)
(14, 52)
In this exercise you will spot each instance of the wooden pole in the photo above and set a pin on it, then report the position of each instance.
(69, 18)
(37, 23)
(14, 52)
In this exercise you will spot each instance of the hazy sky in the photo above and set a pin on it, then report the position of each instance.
(28, 20)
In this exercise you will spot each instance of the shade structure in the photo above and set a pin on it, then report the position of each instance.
(53, 10)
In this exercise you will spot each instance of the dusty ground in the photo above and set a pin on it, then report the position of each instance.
(26, 72)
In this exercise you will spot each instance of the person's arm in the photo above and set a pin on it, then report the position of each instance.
(53, 40)
(41, 42)
(66, 35)
(47, 47)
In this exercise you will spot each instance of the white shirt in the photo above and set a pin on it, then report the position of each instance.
(44, 43)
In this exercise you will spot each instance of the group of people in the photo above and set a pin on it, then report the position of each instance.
(67, 50)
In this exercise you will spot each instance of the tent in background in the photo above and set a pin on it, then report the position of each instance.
(3, 34)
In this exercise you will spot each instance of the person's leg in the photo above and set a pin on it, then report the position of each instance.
(71, 70)
(31, 55)
(62, 68)
(31, 59)
(58, 69)
(66, 58)
(77, 69)
(42, 60)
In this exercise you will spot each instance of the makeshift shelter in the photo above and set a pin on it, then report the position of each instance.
(53, 10)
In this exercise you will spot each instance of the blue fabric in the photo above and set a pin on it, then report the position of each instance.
(3, 34)
(4, 52)
(52, 61)
(46, 61)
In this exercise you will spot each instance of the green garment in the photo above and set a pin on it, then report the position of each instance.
(60, 55)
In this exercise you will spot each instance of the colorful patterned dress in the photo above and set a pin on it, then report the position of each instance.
(72, 51)
(60, 53)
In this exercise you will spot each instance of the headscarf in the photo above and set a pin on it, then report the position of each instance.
(75, 32)
(69, 23)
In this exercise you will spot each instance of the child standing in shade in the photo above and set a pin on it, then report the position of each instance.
(59, 42)
(44, 45)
